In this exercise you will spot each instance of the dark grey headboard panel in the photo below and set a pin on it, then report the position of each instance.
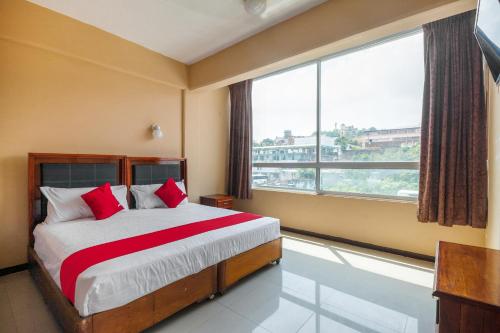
(145, 174)
(78, 175)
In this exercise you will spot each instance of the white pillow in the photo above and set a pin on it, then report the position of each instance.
(145, 197)
(66, 204)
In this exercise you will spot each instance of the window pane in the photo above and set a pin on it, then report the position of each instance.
(401, 183)
(284, 116)
(371, 102)
(288, 178)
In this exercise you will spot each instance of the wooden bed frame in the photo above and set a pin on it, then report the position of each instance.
(156, 306)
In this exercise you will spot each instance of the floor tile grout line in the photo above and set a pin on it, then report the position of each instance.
(240, 315)
(353, 314)
(305, 322)
(203, 322)
(253, 321)
(336, 306)
(245, 317)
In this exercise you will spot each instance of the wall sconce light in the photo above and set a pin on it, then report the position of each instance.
(255, 7)
(156, 131)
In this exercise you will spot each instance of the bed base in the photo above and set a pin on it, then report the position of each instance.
(153, 308)
(235, 268)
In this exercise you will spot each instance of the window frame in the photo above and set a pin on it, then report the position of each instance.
(318, 165)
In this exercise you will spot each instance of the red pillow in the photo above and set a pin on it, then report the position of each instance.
(170, 193)
(102, 202)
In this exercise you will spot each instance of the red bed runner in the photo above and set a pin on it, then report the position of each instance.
(79, 261)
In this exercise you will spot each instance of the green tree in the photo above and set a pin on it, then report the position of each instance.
(267, 142)
(333, 133)
(306, 174)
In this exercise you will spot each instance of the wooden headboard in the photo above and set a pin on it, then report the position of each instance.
(154, 170)
(88, 170)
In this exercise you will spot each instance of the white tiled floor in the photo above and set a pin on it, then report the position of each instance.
(320, 286)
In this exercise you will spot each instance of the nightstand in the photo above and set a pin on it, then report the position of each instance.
(217, 200)
(467, 287)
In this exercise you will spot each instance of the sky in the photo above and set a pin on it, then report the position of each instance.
(488, 19)
(380, 86)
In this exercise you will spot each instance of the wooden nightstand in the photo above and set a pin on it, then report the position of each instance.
(217, 200)
(468, 288)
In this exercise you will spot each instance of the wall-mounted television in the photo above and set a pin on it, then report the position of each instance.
(487, 32)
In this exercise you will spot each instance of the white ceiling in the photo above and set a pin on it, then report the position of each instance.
(185, 30)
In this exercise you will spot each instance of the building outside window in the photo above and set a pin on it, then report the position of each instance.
(346, 124)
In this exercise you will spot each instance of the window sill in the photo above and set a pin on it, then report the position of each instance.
(340, 195)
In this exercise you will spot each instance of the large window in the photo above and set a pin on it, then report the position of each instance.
(347, 124)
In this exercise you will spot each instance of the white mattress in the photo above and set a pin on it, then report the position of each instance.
(119, 281)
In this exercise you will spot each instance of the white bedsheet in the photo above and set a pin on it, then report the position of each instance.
(119, 281)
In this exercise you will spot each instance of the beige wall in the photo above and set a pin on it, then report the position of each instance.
(493, 230)
(331, 27)
(206, 141)
(384, 223)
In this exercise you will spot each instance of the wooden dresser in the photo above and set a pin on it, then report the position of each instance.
(217, 200)
(467, 285)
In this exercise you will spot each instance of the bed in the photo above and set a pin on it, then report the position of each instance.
(133, 292)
